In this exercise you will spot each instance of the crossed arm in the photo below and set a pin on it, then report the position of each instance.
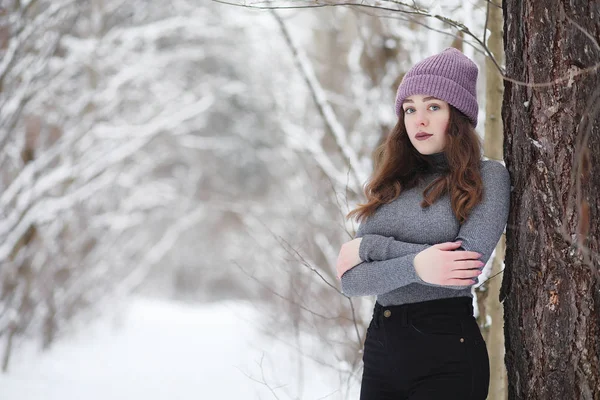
(389, 264)
(380, 248)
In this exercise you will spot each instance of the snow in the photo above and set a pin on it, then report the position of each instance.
(166, 350)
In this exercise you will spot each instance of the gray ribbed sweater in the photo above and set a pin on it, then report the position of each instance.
(398, 231)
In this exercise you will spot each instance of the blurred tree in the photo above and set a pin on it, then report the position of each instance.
(493, 149)
(87, 123)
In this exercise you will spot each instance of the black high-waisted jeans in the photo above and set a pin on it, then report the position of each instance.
(427, 351)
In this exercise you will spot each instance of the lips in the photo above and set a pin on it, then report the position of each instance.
(422, 136)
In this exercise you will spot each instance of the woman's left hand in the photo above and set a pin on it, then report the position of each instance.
(348, 257)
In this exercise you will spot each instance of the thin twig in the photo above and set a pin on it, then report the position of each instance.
(487, 16)
(491, 277)
(265, 286)
(421, 12)
(586, 33)
(263, 382)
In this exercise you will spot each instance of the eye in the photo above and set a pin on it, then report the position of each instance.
(434, 107)
(409, 110)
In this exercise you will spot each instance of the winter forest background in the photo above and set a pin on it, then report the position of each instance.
(174, 182)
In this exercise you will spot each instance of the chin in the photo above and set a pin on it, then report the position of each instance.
(427, 152)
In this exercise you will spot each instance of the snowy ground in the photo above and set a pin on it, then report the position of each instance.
(166, 350)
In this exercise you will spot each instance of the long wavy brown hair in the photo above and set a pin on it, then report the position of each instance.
(399, 166)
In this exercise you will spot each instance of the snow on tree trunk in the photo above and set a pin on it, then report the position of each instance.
(552, 133)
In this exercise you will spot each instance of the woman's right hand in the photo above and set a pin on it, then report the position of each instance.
(440, 265)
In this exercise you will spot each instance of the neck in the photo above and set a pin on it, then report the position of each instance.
(438, 161)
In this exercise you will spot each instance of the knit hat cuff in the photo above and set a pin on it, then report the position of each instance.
(441, 88)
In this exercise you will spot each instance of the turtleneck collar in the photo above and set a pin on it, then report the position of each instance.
(438, 161)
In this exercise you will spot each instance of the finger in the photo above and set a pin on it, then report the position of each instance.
(447, 245)
(466, 255)
(467, 264)
(465, 274)
(460, 282)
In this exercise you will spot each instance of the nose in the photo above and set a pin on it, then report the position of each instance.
(422, 119)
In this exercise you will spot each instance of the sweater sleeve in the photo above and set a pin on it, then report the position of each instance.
(378, 277)
(484, 226)
(379, 248)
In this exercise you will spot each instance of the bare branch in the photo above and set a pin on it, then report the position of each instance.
(415, 10)
(275, 293)
(263, 381)
(325, 109)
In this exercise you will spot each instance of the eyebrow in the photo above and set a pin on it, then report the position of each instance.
(425, 99)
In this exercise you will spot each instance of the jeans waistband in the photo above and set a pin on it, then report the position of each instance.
(405, 312)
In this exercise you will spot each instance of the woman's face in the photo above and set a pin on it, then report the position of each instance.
(426, 120)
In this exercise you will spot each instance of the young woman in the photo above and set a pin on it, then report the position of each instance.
(434, 214)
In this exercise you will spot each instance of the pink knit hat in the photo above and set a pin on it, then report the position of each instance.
(450, 76)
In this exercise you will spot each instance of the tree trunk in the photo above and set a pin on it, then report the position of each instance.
(493, 149)
(551, 289)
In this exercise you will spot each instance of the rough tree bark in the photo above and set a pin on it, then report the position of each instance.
(552, 147)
